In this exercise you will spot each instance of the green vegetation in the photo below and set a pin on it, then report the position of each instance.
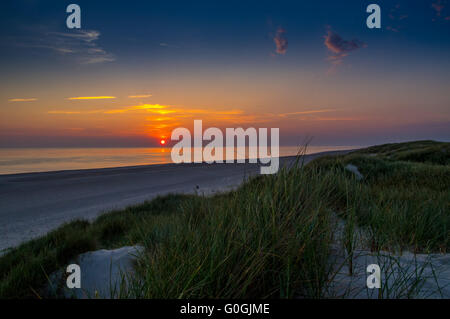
(270, 238)
(403, 202)
(428, 152)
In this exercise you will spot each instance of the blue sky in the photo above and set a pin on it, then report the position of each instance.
(202, 28)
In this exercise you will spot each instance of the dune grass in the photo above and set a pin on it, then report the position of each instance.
(268, 239)
(403, 203)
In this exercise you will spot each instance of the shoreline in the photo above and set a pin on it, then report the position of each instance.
(128, 167)
(32, 204)
(29, 160)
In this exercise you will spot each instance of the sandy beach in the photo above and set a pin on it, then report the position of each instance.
(32, 204)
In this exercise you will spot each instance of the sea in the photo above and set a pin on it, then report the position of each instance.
(28, 160)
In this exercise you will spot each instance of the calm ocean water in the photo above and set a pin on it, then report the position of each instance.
(26, 160)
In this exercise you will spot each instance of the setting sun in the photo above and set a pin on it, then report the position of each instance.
(162, 142)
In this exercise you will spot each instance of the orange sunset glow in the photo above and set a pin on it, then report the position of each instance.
(310, 79)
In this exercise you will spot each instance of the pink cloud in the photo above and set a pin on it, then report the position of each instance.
(339, 47)
(281, 41)
(438, 6)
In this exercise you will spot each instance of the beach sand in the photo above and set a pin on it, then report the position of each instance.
(32, 204)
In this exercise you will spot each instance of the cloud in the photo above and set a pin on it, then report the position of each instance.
(334, 119)
(81, 35)
(307, 112)
(281, 41)
(137, 108)
(339, 47)
(83, 44)
(396, 15)
(64, 112)
(158, 113)
(79, 45)
(160, 120)
(91, 97)
(22, 100)
(139, 96)
(167, 45)
(438, 6)
(312, 115)
(392, 29)
(155, 109)
(112, 111)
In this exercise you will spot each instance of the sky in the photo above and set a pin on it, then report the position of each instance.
(136, 70)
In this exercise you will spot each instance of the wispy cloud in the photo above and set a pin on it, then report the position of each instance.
(137, 108)
(307, 112)
(80, 45)
(139, 96)
(393, 29)
(167, 45)
(339, 47)
(438, 6)
(64, 112)
(84, 45)
(91, 97)
(281, 41)
(155, 109)
(396, 16)
(22, 100)
(334, 119)
(159, 120)
(317, 115)
(172, 116)
(112, 111)
(88, 36)
(160, 111)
